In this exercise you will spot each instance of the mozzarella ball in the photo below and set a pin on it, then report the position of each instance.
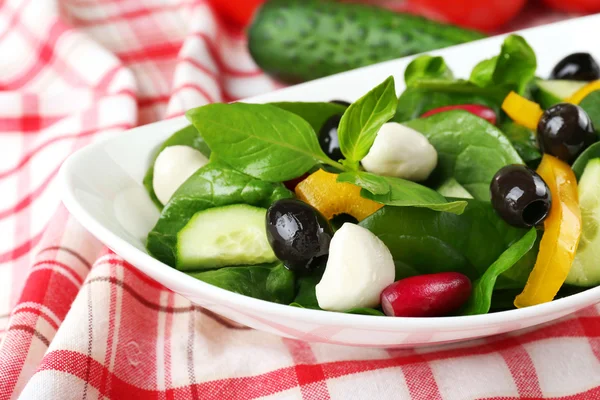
(172, 167)
(401, 152)
(359, 268)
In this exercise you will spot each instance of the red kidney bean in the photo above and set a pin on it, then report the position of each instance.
(433, 295)
(481, 111)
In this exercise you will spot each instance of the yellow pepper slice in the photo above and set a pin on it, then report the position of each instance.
(582, 93)
(322, 191)
(523, 111)
(562, 230)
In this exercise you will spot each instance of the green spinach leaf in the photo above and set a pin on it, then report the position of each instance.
(581, 162)
(270, 282)
(363, 119)
(523, 140)
(400, 192)
(213, 185)
(423, 241)
(428, 67)
(365, 311)
(481, 297)
(470, 150)
(591, 105)
(483, 72)
(260, 140)
(316, 114)
(187, 136)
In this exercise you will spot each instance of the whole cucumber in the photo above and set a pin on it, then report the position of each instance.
(300, 40)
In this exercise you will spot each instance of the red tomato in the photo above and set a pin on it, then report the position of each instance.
(236, 13)
(581, 6)
(485, 15)
(481, 111)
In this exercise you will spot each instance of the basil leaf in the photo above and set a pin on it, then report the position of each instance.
(523, 140)
(213, 185)
(581, 162)
(400, 192)
(260, 140)
(483, 72)
(270, 282)
(424, 241)
(470, 150)
(481, 298)
(187, 136)
(428, 67)
(591, 105)
(316, 114)
(363, 119)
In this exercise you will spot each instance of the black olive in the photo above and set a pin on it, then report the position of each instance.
(328, 138)
(341, 103)
(564, 131)
(577, 67)
(298, 234)
(520, 196)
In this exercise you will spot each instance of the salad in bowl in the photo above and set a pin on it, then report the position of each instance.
(459, 197)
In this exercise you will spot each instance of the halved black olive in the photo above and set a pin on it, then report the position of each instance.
(341, 103)
(565, 130)
(577, 67)
(520, 196)
(298, 234)
(328, 138)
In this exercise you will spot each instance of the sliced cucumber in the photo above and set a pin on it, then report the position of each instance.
(230, 235)
(552, 92)
(451, 188)
(586, 266)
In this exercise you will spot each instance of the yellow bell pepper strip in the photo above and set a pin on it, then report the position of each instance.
(322, 191)
(523, 111)
(582, 93)
(562, 230)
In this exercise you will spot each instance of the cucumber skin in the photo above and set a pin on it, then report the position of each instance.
(299, 40)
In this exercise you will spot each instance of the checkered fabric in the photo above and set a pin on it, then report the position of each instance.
(77, 322)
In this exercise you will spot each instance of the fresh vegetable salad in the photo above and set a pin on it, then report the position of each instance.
(458, 197)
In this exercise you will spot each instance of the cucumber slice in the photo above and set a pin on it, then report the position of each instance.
(230, 235)
(451, 188)
(586, 266)
(552, 92)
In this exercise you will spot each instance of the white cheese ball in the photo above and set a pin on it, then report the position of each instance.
(172, 167)
(359, 267)
(401, 152)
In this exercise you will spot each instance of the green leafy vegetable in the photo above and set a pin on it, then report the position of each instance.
(483, 72)
(470, 150)
(581, 162)
(481, 298)
(451, 188)
(363, 119)
(270, 282)
(213, 185)
(400, 192)
(365, 311)
(260, 140)
(523, 140)
(316, 114)
(591, 105)
(427, 67)
(187, 136)
(423, 241)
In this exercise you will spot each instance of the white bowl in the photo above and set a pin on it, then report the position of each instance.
(103, 190)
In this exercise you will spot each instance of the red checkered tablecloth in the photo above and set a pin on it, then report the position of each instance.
(78, 322)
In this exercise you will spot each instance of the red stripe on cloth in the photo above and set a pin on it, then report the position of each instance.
(418, 376)
(67, 250)
(27, 123)
(38, 312)
(128, 15)
(223, 67)
(105, 381)
(73, 273)
(150, 53)
(13, 18)
(311, 378)
(521, 367)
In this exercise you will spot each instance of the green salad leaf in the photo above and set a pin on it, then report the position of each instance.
(523, 140)
(271, 282)
(260, 140)
(363, 119)
(481, 297)
(423, 241)
(213, 185)
(581, 162)
(483, 72)
(400, 192)
(315, 113)
(426, 67)
(470, 150)
(187, 136)
(591, 105)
